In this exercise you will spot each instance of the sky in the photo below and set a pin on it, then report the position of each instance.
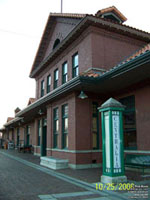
(21, 26)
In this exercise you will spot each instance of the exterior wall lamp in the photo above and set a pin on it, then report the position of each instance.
(82, 95)
(40, 112)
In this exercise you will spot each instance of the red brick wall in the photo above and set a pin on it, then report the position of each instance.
(142, 100)
(108, 48)
(83, 124)
(85, 62)
(142, 106)
(96, 48)
(70, 100)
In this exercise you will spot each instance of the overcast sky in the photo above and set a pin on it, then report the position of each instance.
(21, 26)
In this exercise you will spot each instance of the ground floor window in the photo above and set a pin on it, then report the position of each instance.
(39, 131)
(56, 127)
(18, 136)
(65, 126)
(95, 126)
(13, 135)
(129, 122)
(28, 135)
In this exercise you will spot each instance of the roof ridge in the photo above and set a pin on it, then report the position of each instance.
(68, 14)
(125, 25)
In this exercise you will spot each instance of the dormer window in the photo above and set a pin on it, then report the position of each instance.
(112, 17)
(57, 41)
(111, 13)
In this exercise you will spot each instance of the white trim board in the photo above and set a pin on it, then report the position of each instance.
(75, 151)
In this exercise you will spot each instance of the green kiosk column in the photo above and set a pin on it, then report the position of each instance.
(112, 142)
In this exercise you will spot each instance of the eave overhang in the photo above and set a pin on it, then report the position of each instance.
(121, 77)
(13, 122)
(44, 101)
(3, 129)
(118, 78)
(83, 24)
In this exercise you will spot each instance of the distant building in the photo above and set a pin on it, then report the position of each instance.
(83, 60)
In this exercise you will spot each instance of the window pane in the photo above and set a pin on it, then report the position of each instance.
(57, 125)
(42, 85)
(65, 68)
(94, 140)
(66, 78)
(56, 113)
(77, 71)
(66, 125)
(94, 109)
(56, 76)
(64, 73)
(76, 60)
(49, 80)
(29, 128)
(66, 110)
(94, 124)
(66, 140)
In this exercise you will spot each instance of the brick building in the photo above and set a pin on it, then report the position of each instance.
(83, 60)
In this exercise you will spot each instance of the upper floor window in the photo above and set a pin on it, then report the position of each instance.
(57, 41)
(64, 73)
(75, 65)
(56, 78)
(42, 88)
(48, 83)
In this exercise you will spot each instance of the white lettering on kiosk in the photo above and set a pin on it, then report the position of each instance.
(116, 142)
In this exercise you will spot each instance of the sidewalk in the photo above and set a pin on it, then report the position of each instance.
(88, 175)
(85, 180)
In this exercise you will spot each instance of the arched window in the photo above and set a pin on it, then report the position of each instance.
(57, 41)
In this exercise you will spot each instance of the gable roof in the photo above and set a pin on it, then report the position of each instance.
(9, 119)
(49, 26)
(31, 100)
(89, 20)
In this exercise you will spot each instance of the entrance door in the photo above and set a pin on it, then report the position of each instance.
(44, 137)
